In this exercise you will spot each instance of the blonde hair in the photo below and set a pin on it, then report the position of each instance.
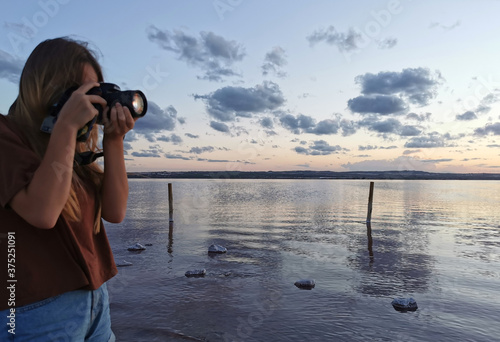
(54, 66)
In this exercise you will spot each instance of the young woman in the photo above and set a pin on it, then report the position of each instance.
(55, 254)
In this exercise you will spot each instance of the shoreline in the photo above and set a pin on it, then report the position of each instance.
(396, 175)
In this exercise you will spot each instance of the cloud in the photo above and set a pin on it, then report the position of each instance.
(432, 140)
(274, 61)
(409, 130)
(489, 128)
(387, 43)
(467, 116)
(173, 138)
(10, 67)
(209, 52)
(417, 84)
(485, 104)
(307, 124)
(400, 163)
(145, 154)
(367, 148)
(156, 120)
(192, 136)
(225, 104)
(152, 152)
(348, 127)
(267, 122)
(199, 150)
(419, 117)
(445, 27)
(175, 156)
(319, 148)
(344, 41)
(219, 126)
(379, 104)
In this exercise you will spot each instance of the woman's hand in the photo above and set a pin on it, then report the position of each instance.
(79, 108)
(115, 184)
(118, 122)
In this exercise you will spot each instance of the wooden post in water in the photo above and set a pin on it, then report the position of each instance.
(170, 203)
(370, 203)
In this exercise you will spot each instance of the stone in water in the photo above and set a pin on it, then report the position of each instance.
(404, 304)
(136, 247)
(196, 273)
(217, 249)
(123, 264)
(306, 284)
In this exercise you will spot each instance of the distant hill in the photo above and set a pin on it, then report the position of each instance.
(315, 175)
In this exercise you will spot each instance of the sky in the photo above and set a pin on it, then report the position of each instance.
(254, 85)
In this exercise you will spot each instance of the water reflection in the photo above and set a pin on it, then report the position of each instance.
(277, 232)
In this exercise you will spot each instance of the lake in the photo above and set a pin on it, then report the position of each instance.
(436, 241)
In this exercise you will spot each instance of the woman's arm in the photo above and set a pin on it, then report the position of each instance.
(41, 202)
(115, 183)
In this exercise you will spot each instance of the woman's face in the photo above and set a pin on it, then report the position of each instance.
(89, 74)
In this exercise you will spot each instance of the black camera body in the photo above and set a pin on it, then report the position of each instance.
(134, 100)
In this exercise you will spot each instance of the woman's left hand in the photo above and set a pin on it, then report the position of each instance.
(120, 121)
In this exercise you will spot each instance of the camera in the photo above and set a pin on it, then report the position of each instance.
(134, 100)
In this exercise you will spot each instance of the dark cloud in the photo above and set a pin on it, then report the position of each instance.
(371, 147)
(267, 122)
(306, 124)
(348, 127)
(175, 156)
(489, 128)
(152, 152)
(227, 103)
(436, 161)
(485, 104)
(145, 154)
(199, 150)
(274, 61)
(325, 127)
(419, 117)
(319, 148)
(173, 138)
(389, 126)
(467, 116)
(10, 67)
(417, 84)
(219, 126)
(367, 148)
(380, 104)
(386, 126)
(409, 131)
(210, 52)
(213, 160)
(192, 136)
(344, 41)
(156, 120)
(432, 140)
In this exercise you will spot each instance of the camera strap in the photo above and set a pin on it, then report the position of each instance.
(85, 158)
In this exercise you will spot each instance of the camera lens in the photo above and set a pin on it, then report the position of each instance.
(138, 104)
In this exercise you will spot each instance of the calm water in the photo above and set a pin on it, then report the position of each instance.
(436, 241)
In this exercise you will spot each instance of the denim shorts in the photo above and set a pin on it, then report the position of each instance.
(80, 315)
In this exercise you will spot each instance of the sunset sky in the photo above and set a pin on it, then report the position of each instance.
(288, 85)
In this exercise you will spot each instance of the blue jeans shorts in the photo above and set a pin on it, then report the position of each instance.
(80, 315)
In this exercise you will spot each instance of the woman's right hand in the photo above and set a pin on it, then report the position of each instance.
(79, 108)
